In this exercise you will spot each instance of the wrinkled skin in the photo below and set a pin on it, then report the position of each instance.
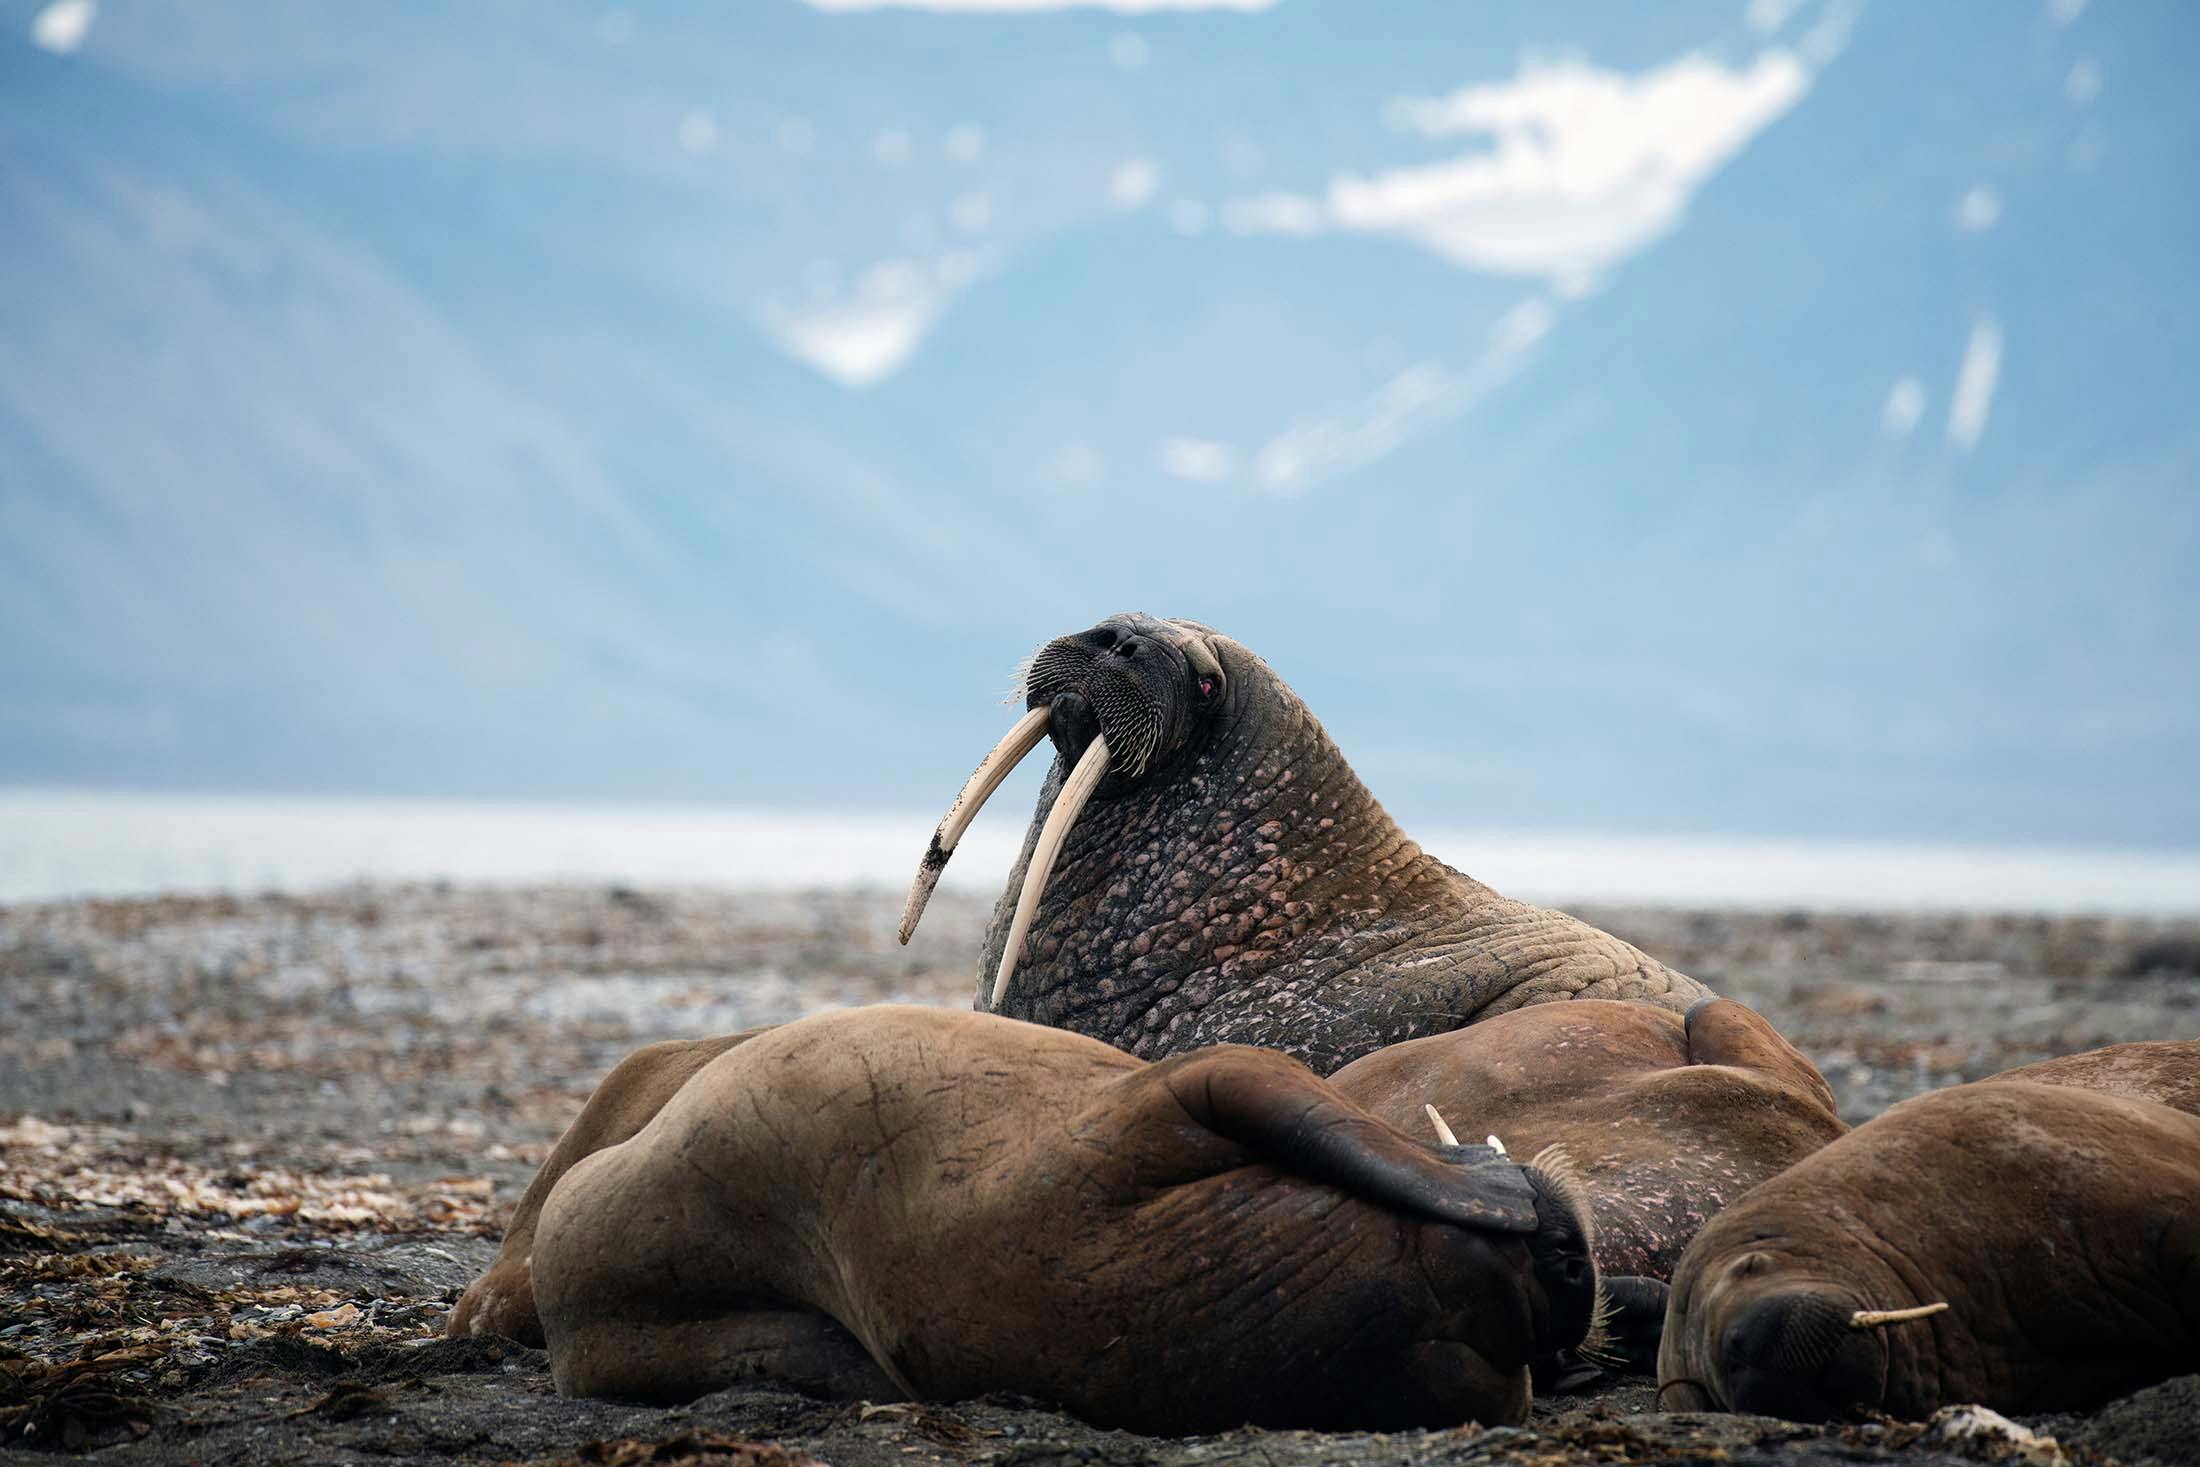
(1666, 1120)
(1232, 881)
(502, 1300)
(2061, 1226)
(900, 1202)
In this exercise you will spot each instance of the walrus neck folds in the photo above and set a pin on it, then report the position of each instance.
(1245, 879)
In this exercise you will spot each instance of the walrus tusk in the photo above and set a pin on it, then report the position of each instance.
(1006, 755)
(1443, 1132)
(1076, 790)
(1873, 1318)
(1495, 1145)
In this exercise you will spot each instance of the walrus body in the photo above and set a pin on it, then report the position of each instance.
(911, 1202)
(1206, 868)
(502, 1300)
(1666, 1120)
(2059, 1228)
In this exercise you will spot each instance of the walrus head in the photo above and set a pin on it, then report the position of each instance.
(1123, 703)
(1766, 1333)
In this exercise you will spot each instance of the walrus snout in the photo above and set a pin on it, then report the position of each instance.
(1794, 1354)
(1565, 1263)
(1072, 724)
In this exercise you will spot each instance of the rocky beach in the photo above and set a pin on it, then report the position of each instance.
(251, 1146)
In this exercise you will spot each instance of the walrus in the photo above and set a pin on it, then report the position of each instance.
(2021, 1245)
(900, 1202)
(1666, 1118)
(1204, 867)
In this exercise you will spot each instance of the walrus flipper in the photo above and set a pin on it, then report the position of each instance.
(1271, 1104)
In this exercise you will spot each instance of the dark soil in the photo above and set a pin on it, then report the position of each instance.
(252, 1147)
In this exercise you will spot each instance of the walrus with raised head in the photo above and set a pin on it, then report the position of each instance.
(2022, 1245)
(1206, 868)
(914, 1203)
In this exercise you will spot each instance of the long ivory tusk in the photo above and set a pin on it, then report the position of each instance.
(1076, 790)
(1873, 1318)
(1443, 1132)
(1006, 755)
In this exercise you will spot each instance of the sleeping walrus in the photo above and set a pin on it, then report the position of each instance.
(1205, 867)
(1666, 1120)
(2022, 1245)
(901, 1203)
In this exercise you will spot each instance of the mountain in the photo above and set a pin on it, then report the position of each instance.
(1768, 419)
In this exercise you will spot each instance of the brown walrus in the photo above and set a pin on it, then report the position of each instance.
(1666, 1119)
(2020, 1245)
(907, 1202)
(1205, 868)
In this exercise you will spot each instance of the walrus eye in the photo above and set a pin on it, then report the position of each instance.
(1206, 687)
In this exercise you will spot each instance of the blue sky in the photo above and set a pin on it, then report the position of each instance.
(1756, 417)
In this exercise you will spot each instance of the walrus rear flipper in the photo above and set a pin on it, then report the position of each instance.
(1275, 1106)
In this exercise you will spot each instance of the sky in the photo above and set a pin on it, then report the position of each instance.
(1767, 418)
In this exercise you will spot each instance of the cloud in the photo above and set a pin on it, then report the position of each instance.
(1129, 51)
(62, 26)
(859, 342)
(1277, 213)
(1975, 381)
(965, 141)
(1015, 7)
(1585, 165)
(2084, 82)
(1133, 182)
(1905, 405)
(1979, 209)
(698, 131)
(1766, 16)
(2065, 11)
(1409, 401)
(1199, 460)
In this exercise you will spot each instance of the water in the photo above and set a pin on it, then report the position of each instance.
(64, 843)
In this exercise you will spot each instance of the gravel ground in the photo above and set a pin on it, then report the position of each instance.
(251, 1147)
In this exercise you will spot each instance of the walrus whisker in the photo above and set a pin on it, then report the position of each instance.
(1596, 1346)
(1006, 755)
(1076, 790)
(1874, 1318)
(1443, 1132)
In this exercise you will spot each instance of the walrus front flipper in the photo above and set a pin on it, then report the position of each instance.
(1276, 1107)
(1723, 1032)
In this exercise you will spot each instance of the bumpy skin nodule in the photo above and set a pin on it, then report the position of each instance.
(1665, 1120)
(893, 1202)
(1247, 888)
(2061, 1225)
